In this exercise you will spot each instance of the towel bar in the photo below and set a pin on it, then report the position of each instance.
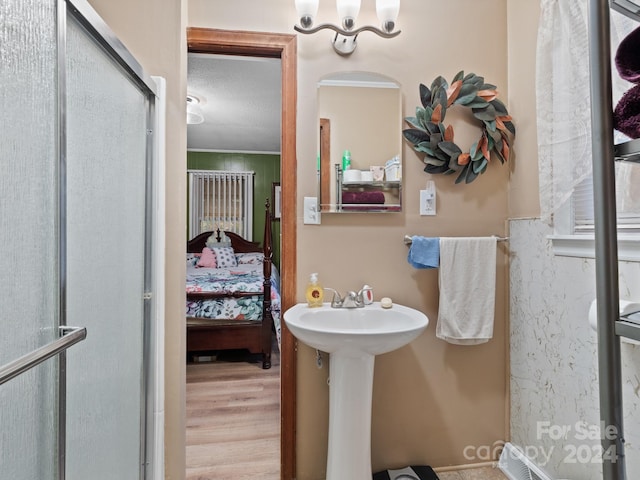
(408, 239)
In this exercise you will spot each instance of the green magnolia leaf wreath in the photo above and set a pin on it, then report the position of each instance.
(430, 136)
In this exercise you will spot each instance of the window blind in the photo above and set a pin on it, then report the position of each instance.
(221, 199)
(627, 200)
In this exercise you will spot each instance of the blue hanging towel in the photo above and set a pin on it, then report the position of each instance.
(424, 252)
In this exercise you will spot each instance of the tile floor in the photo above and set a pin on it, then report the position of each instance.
(482, 473)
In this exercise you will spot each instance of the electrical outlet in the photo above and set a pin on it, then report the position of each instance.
(427, 202)
(311, 213)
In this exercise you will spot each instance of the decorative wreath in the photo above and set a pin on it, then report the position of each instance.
(429, 134)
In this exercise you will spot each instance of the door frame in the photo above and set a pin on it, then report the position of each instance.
(283, 46)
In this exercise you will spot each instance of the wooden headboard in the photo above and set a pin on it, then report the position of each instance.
(239, 244)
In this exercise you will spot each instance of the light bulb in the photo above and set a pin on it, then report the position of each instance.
(387, 11)
(348, 11)
(307, 10)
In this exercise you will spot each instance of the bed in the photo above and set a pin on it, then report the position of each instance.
(232, 299)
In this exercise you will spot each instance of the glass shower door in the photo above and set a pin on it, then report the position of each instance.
(106, 171)
(76, 157)
(28, 236)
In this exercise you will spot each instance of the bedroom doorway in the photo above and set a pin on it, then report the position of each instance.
(283, 47)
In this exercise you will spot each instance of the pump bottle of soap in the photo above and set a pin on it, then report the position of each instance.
(315, 292)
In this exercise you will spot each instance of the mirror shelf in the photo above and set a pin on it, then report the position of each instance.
(366, 196)
(372, 183)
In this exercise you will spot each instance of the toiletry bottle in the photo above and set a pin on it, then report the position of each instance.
(367, 295)
(315, 292)
(346, 160)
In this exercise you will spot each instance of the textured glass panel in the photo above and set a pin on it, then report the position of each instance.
(28, 241)
(106, 152)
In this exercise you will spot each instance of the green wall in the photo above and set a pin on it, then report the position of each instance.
(267, 171)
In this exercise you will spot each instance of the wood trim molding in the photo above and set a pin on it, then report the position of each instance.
(283, 46)
(325, 163)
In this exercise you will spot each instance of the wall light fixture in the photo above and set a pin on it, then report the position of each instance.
(344, 41)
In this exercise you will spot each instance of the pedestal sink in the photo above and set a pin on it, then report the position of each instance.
(352, 337)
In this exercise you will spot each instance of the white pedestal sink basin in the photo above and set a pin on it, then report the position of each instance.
(352, 337)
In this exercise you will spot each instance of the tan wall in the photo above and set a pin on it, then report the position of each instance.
(431, 399)
(522, 31)
(154, 31)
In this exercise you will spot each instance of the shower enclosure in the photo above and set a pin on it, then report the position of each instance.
(76, 198)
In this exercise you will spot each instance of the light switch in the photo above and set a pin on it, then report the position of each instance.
(311, 214)
(428, 199)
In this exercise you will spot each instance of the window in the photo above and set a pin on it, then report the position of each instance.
(627, 201)
(563, 109)
(221, 199)
(573, 225)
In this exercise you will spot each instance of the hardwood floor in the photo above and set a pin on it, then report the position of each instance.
(233, 419)
(233, 422)
(482, 473)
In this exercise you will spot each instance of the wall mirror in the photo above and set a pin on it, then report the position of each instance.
(359, 113)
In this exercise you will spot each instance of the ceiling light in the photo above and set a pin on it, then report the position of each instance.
(194, 112)
(344, 41)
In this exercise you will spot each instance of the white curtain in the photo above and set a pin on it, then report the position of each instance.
(563, 98)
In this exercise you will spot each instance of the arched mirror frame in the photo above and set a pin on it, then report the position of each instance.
(203, 40)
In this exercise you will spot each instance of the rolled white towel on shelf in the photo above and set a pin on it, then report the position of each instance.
(351, 176)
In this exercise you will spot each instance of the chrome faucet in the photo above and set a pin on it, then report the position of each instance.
(352, 299)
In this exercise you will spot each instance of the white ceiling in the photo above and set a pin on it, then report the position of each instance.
(240, 98)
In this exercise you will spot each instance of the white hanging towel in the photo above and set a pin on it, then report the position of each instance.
(467, 280)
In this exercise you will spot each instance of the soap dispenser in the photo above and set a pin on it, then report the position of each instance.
(315, 292)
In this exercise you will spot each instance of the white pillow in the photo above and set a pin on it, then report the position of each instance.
(225, 257)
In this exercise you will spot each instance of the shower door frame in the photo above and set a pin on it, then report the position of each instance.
(151, 430)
